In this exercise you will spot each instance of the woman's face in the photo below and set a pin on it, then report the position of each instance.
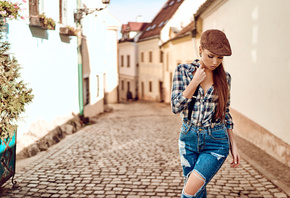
(210, 60)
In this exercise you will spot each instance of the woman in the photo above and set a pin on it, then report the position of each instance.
(207, 133)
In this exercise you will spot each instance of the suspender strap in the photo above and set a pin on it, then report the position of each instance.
(191, 104)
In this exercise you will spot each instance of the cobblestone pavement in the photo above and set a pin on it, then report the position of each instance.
(131, 152)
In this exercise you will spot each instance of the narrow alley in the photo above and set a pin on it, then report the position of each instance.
(131, 152)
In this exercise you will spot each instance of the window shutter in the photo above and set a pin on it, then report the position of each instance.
(33, 7)
(60, 11)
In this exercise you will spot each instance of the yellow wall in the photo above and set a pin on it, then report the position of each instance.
(176, 52)
(150, 71)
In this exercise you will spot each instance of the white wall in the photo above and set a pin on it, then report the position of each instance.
(128, 48)
(128, 74)
(260, 65)
(100, 29)
(49, 66)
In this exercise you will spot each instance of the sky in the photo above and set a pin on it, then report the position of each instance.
(128, 10)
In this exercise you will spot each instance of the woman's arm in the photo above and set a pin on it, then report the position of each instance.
(234, 149)
(181, 93)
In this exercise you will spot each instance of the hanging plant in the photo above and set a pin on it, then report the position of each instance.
(10, 10)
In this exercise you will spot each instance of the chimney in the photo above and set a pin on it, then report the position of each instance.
(139, 18)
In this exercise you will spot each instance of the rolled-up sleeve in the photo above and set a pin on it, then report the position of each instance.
(228, 117)
(178, 101)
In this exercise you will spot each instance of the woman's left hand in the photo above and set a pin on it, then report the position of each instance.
(234, 150)
(235, 155)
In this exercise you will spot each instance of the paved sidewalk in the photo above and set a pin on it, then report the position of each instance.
(131, 152)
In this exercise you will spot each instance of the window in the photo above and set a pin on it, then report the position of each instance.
(142, 57)
(122, 61)
(128, 86)
(161, 56)
(150, 57)
(171, 3)
(128, 60)
(122, 85)
(150, 86)
(98, 85)
(86, 91)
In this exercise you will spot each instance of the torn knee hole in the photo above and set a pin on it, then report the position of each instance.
(218, 156)
(194, 183)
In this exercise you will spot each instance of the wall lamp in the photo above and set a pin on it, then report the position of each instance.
(82, 12)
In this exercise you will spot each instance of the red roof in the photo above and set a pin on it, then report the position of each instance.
(133, 26)
(154, 28)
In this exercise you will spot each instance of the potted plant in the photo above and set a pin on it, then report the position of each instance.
(46, 22)
(69, 31)
(42, 21)
(14, 95)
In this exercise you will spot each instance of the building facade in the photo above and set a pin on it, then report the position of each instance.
(100, 67)
(155, 60)
(49, 61)
(128, 60)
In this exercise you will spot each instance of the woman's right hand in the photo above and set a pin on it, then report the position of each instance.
(199, 75)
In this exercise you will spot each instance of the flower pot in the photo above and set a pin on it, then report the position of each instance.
(7, 158)
(66, 31)
(37, 21)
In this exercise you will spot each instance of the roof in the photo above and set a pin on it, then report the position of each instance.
(184, 32)
(189, 29)
(133, 26)
(203, 7)
(154, 28)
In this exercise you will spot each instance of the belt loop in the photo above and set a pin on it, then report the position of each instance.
(209, 130)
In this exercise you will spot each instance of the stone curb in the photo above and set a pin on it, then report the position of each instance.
(53, 137)
(265, 172)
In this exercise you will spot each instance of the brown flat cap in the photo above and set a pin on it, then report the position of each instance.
(216, 42)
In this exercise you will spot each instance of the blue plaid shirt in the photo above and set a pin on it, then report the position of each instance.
(205, 104)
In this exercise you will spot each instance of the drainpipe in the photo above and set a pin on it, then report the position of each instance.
(80, 64)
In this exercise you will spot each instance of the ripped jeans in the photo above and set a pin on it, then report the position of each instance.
(202, 150)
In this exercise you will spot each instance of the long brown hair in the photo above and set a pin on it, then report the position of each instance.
(221, 90)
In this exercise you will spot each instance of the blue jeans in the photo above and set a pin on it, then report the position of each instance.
(202, 150)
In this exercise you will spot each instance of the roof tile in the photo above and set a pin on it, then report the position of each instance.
(154, 28)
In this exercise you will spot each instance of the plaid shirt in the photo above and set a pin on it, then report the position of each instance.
(205, 104)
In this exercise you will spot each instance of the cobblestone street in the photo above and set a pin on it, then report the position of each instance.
(131, 152)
